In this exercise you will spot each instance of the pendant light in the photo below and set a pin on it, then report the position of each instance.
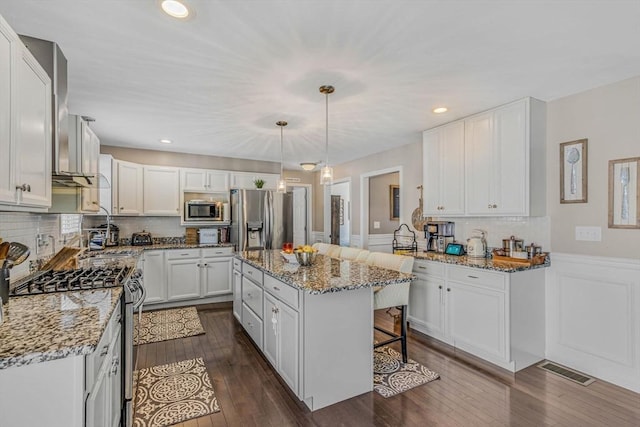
(326, 173)
(282, 184)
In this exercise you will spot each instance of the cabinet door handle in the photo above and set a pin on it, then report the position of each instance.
(448, 289)
(114, 366)
(24, 187)
(121, 208)
(495, 206)
(440, 287)
(104, 351)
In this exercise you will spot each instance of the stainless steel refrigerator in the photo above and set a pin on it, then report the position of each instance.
(261, 219)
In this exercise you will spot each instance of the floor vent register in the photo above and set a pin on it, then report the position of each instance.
(566, 373)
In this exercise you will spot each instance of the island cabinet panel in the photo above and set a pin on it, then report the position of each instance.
(237, 294)
(311, 318)
(154, 272)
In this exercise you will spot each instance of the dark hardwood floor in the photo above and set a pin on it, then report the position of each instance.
(467, 394)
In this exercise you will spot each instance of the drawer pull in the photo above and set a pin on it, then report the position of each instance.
(472, 277)
(248, 294)
(184, 254)
(422, 267)
(448, 289)
(440, 287)
(104, 351)
(250, 273)
(275, 288)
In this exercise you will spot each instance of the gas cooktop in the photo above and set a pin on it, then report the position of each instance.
(72, 280)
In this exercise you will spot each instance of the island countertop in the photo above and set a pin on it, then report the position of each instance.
(38, 328)
(325, 275)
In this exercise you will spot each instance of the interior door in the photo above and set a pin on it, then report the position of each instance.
(299, 216)
(335, 220)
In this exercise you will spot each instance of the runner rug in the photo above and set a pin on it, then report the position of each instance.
(173, 393)
(163, 325)
(391, 376)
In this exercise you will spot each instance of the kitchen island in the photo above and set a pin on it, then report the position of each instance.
(314, 324)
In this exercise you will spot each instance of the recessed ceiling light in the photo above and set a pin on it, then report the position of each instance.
(175, 8)
(440, 110)
(166, 141)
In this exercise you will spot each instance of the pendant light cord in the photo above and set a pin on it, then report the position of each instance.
(281, 155)
(327, 128)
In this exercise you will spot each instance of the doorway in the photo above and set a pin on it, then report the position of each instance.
(341, 214)
(300, 213)
(382, 242)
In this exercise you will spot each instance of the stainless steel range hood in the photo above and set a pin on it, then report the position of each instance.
(67, 165)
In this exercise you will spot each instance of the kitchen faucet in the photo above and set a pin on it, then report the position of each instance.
(108, 232)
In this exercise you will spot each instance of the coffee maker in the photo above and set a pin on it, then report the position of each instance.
(438, 235)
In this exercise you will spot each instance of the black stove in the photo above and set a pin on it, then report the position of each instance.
(72, 280)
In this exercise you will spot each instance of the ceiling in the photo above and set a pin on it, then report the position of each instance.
(217, 83)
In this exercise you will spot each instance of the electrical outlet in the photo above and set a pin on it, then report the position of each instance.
(590, 234)
(376, 225)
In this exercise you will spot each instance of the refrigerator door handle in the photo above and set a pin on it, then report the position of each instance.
(268, 220)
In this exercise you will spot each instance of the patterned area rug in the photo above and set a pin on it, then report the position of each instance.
(166, 325)
(173, 393)
(391, 376)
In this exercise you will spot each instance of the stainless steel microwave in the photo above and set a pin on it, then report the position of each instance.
(202, 210)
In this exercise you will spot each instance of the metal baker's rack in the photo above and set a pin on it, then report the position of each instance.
(404, 242)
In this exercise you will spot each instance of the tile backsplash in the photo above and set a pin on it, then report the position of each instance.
(531, 229)
(22, 228)
(157, 226)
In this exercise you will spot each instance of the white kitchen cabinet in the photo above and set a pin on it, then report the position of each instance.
(154, 276)
(245, 180)
(203, 180)
(183, 274)
(89, 144)
(8, 45)
(33, 132)
(237, 288)
(476, 319)
(103, 377)
(128, 188)
(443, 163)
(496, 316)
(217, 276)
(281, 339)
(504, 159)
(161, 191)
(426, 307)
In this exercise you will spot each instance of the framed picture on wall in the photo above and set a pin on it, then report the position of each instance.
(394, 202)
(624, 193)
(573, 171)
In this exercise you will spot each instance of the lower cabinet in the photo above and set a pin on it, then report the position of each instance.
(496, 316)
(154, 276)
(186, 274)
(103, 378)
(281, 339)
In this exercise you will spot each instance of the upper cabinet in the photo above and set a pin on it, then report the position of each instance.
(502, 168)
(161, 191)
(89, 144)
(245, 180)
(25, 125)
(127, 185)
(203, 181)
(443, 170)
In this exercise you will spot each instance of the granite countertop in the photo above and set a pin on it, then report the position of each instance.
(39, 328)
(483, 263)
(325, 274)
(137, 250)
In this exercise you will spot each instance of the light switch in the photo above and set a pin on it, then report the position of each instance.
(591, 234)
(376, 225)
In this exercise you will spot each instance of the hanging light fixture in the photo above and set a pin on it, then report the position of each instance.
(326, 173)
(282, 184)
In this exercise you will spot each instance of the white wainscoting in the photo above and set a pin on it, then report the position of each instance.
(593, 316)
(380, 243)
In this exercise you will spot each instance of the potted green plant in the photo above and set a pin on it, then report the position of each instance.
(258, 182)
